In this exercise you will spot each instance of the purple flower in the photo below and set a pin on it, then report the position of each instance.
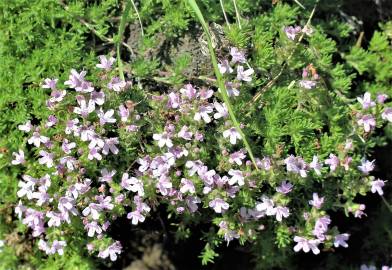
(317, 201)
(105, 202)
(26, 127)
(233, 135)
(237, 55)
(224, 67)
(377, 186)
(333, 162)
(54, 219)
(67, 146)
(19, 158)
(123, 112)
(173, 101)
(106, 117)
(85, 108)
(106, 176)
(50, 83)
(296, 165)
(366, 166)
(387, 114)
(105, 63)
(116, 84)
(189, 91)
(93, 228)
(229, 235)
(203, 112)
(292, 32)
(71, 126)
(75, 78)
(94, 209)
(57, 96)
(111, 251)
(187, 186)
(244, 75)
(37, 139)
(368, 122)
(340, 240)
(306, 245)
(221, 110)
(185, 133)
(237, 157)
(321, 227)
(67, 204)
(110, 146)
(266, 207)
(219, 205)
(93, 153)
(366, 101)
(46, 158)
(232, 89)
(52, 120)
(191, 202)
(163, 139)
(285, 187)
(370, 267)
(307, 84)
(315, 165)
(98, 97)
(281, 212)
(27, 187)
(236, 177)
(58, 246)
(133, 184)
(20, 209)
(136, 217)
(205, 93)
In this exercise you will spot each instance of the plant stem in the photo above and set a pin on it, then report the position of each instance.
(224, 13)
(121, 29)
(138, 16)
(237, 14)
(220, 80)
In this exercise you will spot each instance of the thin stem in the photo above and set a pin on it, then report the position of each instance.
(221, 83)
(387, 204)
(138, 16)
(237, 14)
(119, 39)
(273, 81)
(224, 13)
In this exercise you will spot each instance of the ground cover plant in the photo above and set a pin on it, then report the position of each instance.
(248, 123)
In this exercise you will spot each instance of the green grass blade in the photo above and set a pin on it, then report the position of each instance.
(220, 80)
(121, 29)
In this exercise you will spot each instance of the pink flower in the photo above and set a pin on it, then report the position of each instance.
(98, 97)
(377, 186)
(333, 162)
(237, 157)
(366, 101)
(173, 101)
(233, 135)
(306, 245)
(189, 91)
(191, 202)
(381, 98)
(244, 75)
(281, 212)
(67, 146)
(93, 228)
(54, 219)
(19, 158)
(93, 153)
(292, 32)
(106, 176)
(368, 122)
(219, 205)
(387, 114)
(296, 165)
(105, 63)
(123, 112)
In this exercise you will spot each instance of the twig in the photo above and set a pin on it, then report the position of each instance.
(224, 13)
(95, 32)
(138, 16)
(237, 14)
(272, 82)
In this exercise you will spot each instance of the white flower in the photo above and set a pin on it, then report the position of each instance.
(236, 177)
(244, 75)
(203, 112)
(163, 139)
(233, 134)
(221, 110)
